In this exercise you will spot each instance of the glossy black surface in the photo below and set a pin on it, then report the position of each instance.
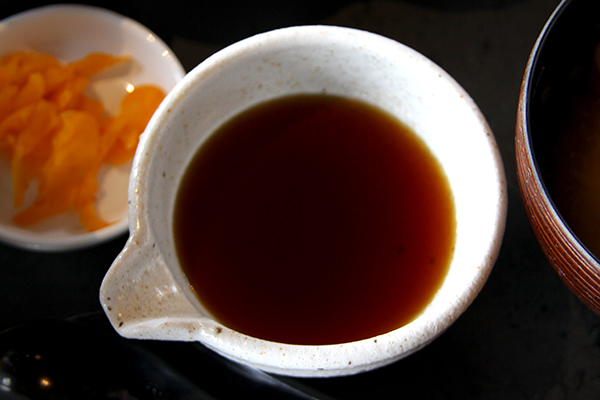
(525, 337)
(82, 358)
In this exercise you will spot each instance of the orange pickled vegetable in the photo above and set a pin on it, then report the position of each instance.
(122, 133)
(32, 147)
(54, 133)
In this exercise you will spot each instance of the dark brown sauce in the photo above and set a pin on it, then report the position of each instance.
(573, 178)
(314, 219)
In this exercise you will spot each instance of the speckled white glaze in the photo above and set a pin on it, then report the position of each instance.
(145, 294)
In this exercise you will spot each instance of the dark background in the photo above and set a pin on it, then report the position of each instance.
(525, 336)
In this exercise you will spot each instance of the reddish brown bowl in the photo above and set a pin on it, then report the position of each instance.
(569, 36)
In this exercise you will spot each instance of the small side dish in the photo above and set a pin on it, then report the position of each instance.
(83, 38)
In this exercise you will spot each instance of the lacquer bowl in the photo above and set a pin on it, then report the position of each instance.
(569, 36)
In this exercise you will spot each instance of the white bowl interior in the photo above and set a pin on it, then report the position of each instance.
(70, 32)
(316, 60)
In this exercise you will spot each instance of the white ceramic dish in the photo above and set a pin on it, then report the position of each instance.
(69, 32)
(145, 293)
